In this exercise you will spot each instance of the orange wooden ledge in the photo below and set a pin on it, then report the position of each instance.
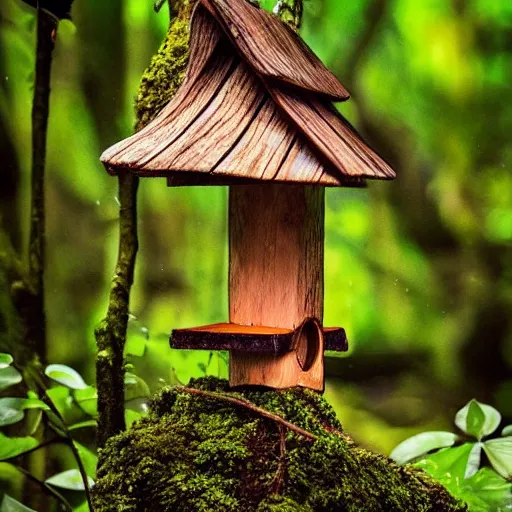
(250, 338)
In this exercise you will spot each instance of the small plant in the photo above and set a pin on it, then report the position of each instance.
(456, 459)
(63, 404)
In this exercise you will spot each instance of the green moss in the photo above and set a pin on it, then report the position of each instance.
(165, 73)
(198, 454)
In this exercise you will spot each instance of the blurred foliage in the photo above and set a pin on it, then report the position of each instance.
(418, 271)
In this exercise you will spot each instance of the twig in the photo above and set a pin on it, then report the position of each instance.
(83, 472)
(249, 405)
(281, 467)
(55, 440)
(67, 438)
(45, 487)
(36, 321)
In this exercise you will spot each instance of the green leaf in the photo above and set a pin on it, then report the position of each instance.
(420, 444)
(136, 338)
(66, 376)
(474, 458)
(477, 419)
(138, 404)
(70, 479)
(490, 487)
(135, 387)
(5, 360)
(507, 431)
(13, 446)
(10, 411)
(34, 403)
(499, 452)
(9, 376)
(88, 458)
(453, 461)
(87, 399)
(131, 416)
(61, 399)
(11, 505)
(83, 424)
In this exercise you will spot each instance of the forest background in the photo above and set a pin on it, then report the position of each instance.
(418, 271)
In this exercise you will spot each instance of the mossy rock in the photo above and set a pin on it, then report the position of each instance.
(197, 453)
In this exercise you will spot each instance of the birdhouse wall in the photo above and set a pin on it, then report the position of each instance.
(276, 239)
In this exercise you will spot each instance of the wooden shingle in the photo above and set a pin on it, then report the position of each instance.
(255, 106)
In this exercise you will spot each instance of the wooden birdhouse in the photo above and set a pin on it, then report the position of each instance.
(255, 113)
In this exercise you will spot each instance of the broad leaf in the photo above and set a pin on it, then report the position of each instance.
(83, 424)
(135, 387)
(490, 487)
(13, 446)
(88, 458)
(507, 431)
(5, 360)
(136, 338)
(420, 444)
(138, 404)
(70, 479)
(499, 452)
(478, 420)
(33, 403)
(131, 416)
(453, 461)
(11, 505)
(87, 399)
(9, 376)
(10, 411)
(474, 458)
(66, 376)
(62, 400)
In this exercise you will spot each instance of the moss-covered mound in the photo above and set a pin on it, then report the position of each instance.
(197, 453)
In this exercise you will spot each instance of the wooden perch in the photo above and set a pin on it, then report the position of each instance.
(250, 338)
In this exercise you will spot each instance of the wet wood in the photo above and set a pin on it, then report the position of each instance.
(250, 338)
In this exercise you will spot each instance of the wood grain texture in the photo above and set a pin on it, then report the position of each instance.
(273, 49)
(226, 123)
(267, 340)
(330, 133)
(276, 241)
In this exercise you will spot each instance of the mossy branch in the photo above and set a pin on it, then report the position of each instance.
(158, 85)
(111, 334)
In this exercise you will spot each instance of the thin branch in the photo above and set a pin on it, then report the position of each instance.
(281, 467)
(111, 335)
(67, 438)
(240, 402)
(36, 321)
(45, 487)
(83, 472)
(55, 440)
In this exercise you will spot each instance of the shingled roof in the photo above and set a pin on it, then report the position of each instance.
(255, 105)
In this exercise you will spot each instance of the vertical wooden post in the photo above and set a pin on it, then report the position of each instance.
(276, 240)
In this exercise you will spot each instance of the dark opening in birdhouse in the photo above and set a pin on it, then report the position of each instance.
(255, 112)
